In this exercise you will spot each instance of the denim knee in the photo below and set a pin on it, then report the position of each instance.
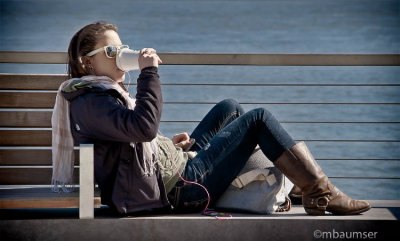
(262, 113)
(229, 102)
(231, 105)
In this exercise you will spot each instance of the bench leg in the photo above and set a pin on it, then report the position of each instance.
(86, 181)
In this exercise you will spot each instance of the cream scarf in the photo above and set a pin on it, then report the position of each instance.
(62, 140)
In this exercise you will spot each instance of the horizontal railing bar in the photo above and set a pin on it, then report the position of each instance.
(26, 91)
(284, 103)
(301, 122)
(277, 85)
(311, 140)
(30, 57)
(12, 110)
(250, 103)
(30, 147)
(46, 131)
(341, 122)
(14, 75)
(383, 178)
(2, 128)
(43, 129)
(77, 167)
(316, 158)
(26, 109)
(226, 59)
(357, 159)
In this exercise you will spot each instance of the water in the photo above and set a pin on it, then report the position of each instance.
(358, 26)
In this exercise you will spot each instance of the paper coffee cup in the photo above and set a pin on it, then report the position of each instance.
(128, 59)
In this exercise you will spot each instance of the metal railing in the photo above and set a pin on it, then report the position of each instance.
(226, 59)
(258, 60)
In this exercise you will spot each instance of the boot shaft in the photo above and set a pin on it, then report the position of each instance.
(299, 165)
(319, 195)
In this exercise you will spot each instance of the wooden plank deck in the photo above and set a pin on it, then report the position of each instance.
(39, 197)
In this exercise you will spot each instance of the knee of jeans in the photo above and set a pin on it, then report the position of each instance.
(262, 113)
(231, 104)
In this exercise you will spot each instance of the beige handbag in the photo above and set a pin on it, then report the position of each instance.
(259, 188)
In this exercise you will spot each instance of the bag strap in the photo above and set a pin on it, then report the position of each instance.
(259, 174)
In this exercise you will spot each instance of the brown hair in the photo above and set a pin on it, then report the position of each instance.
(82, 43)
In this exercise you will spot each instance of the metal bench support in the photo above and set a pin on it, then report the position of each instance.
(86, 181)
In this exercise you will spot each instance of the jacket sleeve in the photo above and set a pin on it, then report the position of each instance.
(101, 116)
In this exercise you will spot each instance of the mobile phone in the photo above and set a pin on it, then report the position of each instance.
(191, 144)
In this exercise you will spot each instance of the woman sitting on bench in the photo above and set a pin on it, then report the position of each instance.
(135, 167)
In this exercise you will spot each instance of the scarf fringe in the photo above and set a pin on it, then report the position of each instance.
(60, 187)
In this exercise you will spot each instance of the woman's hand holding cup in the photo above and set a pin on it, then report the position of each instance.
(148, 58)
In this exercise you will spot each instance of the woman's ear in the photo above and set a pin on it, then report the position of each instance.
(86, 61)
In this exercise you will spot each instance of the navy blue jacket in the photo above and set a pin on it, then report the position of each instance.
(100, 116)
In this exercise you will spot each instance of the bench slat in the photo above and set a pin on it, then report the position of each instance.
(25, 118)
(27, 100)
(26, 157)
(31, 81)
(41, 198)
(29, 176)
(25, 137)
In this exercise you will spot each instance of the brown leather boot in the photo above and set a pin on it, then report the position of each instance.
(296, 195)
(319, 195)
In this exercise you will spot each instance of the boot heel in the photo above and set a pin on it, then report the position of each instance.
(313, 211)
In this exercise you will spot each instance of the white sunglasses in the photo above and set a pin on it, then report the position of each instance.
(111, 51)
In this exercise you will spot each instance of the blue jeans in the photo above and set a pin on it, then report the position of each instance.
(225, 139)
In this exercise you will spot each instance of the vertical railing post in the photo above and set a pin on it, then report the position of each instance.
(86, 181)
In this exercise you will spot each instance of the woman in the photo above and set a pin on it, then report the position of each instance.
(135, 167)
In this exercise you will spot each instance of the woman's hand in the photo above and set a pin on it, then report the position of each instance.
(148, 58)
(182, 140)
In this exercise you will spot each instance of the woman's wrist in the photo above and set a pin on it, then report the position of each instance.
(150, 69)
(149, 74)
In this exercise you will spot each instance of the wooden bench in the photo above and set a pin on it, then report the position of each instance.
(29, 100)
(26, 102)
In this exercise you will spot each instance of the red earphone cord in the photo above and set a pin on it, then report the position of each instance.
(220, 216)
